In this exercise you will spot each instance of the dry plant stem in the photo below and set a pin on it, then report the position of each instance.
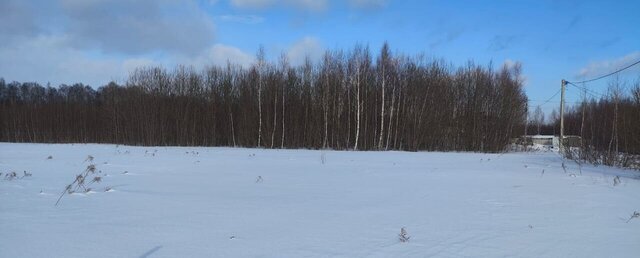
(634, 215)
(80, 180)
(403, 236)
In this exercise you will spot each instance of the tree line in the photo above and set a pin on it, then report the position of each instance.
(347, 100)
(609, 124)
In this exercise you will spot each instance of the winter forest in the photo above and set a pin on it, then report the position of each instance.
(348, 100)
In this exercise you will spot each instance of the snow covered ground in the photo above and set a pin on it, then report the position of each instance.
(228, 202)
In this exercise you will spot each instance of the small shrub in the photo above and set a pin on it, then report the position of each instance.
(26, 174)
(11, 176)
(123, 152)
(616, 181)
(50, 157)
(403, 236)
(259, 179)
(81, 182)
(150, 153)
(633, 216)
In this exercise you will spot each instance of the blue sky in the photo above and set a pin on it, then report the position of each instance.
(94, 41)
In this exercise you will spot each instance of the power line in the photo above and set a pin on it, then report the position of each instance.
(609, 74)
(547, 101)
(593, 93)
(562, 88)
(556, 101)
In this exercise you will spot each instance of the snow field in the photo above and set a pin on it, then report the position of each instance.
(234, 202)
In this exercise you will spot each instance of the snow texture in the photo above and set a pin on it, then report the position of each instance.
(232, 202)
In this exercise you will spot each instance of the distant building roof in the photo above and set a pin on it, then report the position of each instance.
(540, 136)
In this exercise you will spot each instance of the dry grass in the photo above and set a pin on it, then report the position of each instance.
(83, 181)
(633, 216)
(403, 236)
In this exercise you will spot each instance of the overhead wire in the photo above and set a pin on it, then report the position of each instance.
(585, 89)
(549, 99)
(609, 74)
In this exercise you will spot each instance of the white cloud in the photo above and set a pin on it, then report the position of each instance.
(599, 68)
(368, 4)
(306, 47)
(49, 59)
(219, 54)
(129, 65)
(96, 41)
(16, 20)
(76, 40)
(134, 27)
(510, 64)
(308, 5)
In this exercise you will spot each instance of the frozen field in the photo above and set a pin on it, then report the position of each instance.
(227, 202)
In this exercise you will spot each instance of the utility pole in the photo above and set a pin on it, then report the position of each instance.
(561, 142)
